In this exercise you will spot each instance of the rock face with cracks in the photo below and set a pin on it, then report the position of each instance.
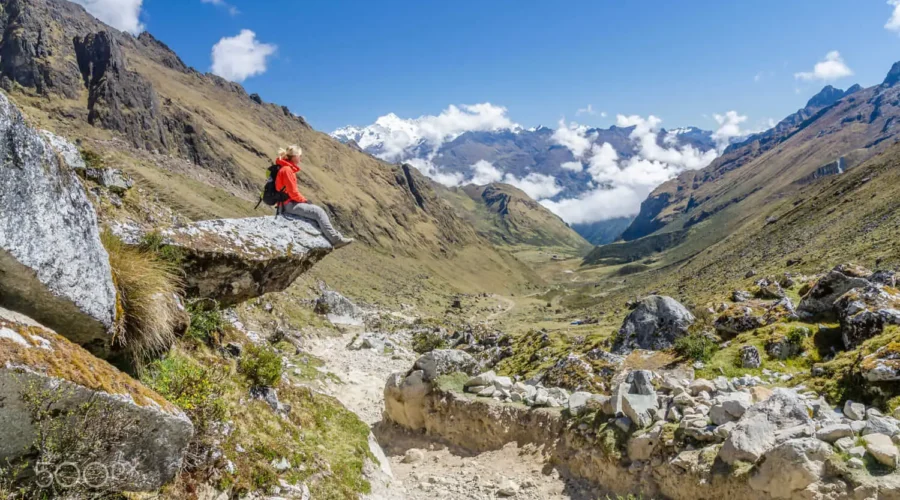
(53, 266)
(234, 260)
(143, 437)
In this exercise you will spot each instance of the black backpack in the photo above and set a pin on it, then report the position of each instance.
(270, 196)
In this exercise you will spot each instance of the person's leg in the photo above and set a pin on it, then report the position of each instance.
(316, 213)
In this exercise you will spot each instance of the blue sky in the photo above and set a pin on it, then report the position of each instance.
(344, 62)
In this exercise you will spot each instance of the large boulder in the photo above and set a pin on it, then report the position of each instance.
(53, 266)
(339, 309)
(94, 413)
(234, 260)
(791, 467)
(864, 312)
(755, 432)
(654, 324)
(821, 298)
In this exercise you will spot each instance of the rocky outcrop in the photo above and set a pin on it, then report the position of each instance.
(118, 99)
(110, 419)
(883, 365)
(339, 309)
(654, 324)
(53, 266)
(234, 260)
(864, 313)
(821, 298)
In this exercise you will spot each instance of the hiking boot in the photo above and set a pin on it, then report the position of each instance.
(343, 242)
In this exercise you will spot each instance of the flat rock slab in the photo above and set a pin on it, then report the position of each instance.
(143, 436)
(234, 260)
(53, 266)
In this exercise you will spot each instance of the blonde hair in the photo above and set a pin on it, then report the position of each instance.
(289, 152)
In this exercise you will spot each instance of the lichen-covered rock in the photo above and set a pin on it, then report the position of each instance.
(572, 373)
(737, 320)
(53, 265)
(143, 436)
(750, 357)
(883, 365)
(828, 289)
(864, 312)
(654, 324)
(234, 260)
(111, 178)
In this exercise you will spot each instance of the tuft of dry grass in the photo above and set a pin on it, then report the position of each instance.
(146, 291)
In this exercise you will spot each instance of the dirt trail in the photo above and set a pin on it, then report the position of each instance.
(435, 472)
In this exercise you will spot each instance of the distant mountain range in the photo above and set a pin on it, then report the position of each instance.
(521, 153)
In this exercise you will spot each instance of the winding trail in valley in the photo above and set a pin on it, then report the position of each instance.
(437, 472)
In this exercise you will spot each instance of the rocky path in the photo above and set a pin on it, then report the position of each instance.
(424, 469)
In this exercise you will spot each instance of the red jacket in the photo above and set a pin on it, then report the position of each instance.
(287, 180)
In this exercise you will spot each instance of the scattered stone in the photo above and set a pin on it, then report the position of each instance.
(882, 448)
(834, 432)
(760, 394)
(702, 385)
(413, 456)
(854, 411)
(623, 423)
(113, 179)
(739, 296)
(855, 463)
(281, 464)
(270, 396)
(482, 380)
(845, 443)
(578, 402)
(876, 424)
(339, 309)
(508, 489)
(857, 451)
(641, 382)
(750, 357)
(640, 408)
(654, 324)
(642, 445)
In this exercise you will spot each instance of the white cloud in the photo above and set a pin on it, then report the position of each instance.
(832, 68)
(603, 114)
(485, 173)
(537, 186)
(240, 57)
(123, 15)
(573, 137)
(224, 5)
(429, 169)
(574, 166)
(599, 204)
(893, 23)
(729, 128)
(645, 134)
(589, 110)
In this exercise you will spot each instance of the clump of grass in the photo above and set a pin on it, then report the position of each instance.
(697, 347)
(196, 389)
(155, 243)
(146, 307)
(261, 365)
(428, 340)
(92, 159)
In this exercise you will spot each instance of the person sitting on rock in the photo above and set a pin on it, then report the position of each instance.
(286, 182)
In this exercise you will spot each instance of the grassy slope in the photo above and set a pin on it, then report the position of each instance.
(510, 218)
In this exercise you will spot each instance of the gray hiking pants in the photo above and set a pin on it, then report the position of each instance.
(316, 213)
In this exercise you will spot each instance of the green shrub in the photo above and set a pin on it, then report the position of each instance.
(146, 310)
(196, 389)
(261, 365)
(696, 346)
(207, 323)
(427, 341)
(798, 335)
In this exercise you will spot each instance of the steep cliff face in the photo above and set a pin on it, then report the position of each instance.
(855, 124)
